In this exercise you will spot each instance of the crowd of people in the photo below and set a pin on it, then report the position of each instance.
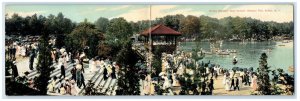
(234, 80)
(62, 60)
(177, 65)
(70, 86)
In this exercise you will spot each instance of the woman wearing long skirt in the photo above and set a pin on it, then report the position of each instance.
(224, 80)
(92, 65)
(62, 89)
(18, 50)
(53, 56)
(227, 85)
(23, 51)
(68, 87)
(60, 62)
(73, 88)
(254, 83)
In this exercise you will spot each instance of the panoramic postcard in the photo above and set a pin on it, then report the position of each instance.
(149, 50)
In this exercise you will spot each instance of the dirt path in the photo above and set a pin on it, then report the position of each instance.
(220, 90)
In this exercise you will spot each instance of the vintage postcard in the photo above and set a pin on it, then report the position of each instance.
(149, 49)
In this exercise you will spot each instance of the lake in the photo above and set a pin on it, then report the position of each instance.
(248, 54)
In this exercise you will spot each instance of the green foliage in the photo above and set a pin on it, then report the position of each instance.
(263, 79)
(102, 24)
(85, 34)
(118, 32)
(275, 89)
(32, 25)
(129, 77)
(13, 88)
(44, 61)
(8, 65)
(190, 26)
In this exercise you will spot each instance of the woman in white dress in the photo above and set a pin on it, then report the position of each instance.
(62, 90)
(18, 50)
(254, 83)
(227, 85)
(240, 82)
(166, 83)
(23, 51)
(66, 56)
(147, 85)
(224, 80)
(65, 62)
(73, 88)
(60, 62)
(92, 65)
(102, 64)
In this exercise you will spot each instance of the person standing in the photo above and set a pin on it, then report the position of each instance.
(82, 81)
(23, 51)
(237, 81)
(62, 89)
(240, 82)
(53, 55)
(64, 61)
(227, 84)
(211, 84)
(78, 74)
(62, 69)
(92, 65)
(14, 69)
(14, 51)
(73, 72)
(105, 73)
(31, 61)
(113, 74)
(232, 83)
(254, 83)
(73, 88)
(246, 79)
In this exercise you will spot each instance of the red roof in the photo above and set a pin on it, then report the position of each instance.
(160, 30)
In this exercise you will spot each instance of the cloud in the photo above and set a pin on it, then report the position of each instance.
(136, 14)
(157, 11)
(226, 7)
(277, 13)
(112, 9)
(24, 14)
(120, 8)
(160, 11)
(100, 9)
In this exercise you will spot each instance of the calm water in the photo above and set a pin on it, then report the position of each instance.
(248, 54)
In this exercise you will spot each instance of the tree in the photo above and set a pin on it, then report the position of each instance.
(14, 25)
(44, 61)
(118, 31)
(263, 79)
(102, 24)
(172, 21)
(60, 26)
(85, 34)
(190, 26)
(128, 82)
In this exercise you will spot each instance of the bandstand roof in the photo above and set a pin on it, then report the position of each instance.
(160, 30)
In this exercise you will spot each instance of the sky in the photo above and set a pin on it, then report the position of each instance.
(78, 12)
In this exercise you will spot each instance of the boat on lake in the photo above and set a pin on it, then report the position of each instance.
(233, 51)
(223, 52)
